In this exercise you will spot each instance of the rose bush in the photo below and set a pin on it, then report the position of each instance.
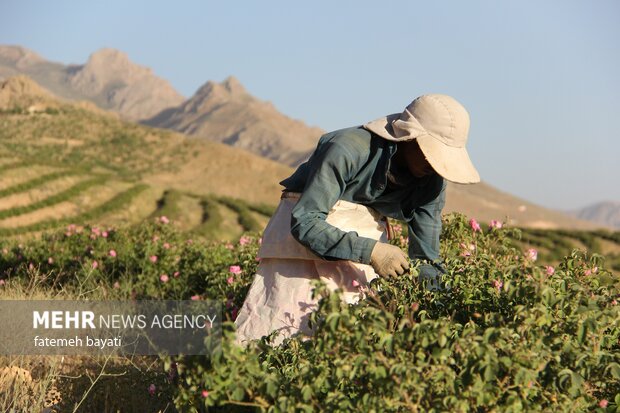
(508, 336)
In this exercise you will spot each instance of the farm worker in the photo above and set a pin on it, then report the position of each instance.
(331, 221)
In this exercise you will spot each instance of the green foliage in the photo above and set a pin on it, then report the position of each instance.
(211, 218)
(135, 257)
(246, 220)
(168, 204)
(508, 336)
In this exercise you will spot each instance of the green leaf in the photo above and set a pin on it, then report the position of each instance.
(614, 369)
(306, 393)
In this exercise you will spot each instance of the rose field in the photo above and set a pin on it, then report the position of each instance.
(518, 327)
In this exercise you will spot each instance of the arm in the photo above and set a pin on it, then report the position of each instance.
(424, 231)
(332, 168)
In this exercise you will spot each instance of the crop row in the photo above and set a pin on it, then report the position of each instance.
(14, 165)
(119, 200)
(54, 199)
(36, 182)
(211, 217)
(244, 217)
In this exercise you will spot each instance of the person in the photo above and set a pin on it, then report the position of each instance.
(331, 221)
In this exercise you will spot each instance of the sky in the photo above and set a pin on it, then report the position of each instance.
(540, 79)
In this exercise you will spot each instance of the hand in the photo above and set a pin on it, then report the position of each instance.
(388, 260)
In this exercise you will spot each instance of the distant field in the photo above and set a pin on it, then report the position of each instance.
(553, 245)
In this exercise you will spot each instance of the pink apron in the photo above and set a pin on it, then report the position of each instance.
(280, 297)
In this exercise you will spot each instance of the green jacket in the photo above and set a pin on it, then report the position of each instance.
(352, 164)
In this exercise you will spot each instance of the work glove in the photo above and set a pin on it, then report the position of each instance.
(430, 276)
(388, 260)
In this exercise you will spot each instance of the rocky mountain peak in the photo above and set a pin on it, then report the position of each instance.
(233, 86)
(108, 59)
(19, 56)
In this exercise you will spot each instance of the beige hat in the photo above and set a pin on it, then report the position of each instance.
(440, 125)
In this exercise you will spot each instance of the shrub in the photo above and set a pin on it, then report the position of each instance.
(509, 335)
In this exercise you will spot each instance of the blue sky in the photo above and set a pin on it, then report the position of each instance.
(539, 79)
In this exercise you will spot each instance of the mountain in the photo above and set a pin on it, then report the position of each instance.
(605, 213)
(108, 79)
(222, 112)
(225, 112)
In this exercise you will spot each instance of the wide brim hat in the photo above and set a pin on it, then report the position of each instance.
(440, 125)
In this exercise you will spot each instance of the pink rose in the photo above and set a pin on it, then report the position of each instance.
(498, 284)
(153, 258)
(230, 280)
(235, 269)
(244, 240)
(112, 253)
(603, 403)
(549, 269)
(195, 297)
(166, 245)
(495, 224)
(164, 278)
(95, 264)
(205, 394)
(475, 225)
(104, 234)
(531, 254)
(176, 274)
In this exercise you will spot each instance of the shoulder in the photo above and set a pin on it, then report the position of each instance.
(354, 140)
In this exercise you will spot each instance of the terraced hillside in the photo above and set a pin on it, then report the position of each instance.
(37, 197)
(64, 163)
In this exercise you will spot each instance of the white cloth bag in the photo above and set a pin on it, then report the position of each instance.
(280, 297)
